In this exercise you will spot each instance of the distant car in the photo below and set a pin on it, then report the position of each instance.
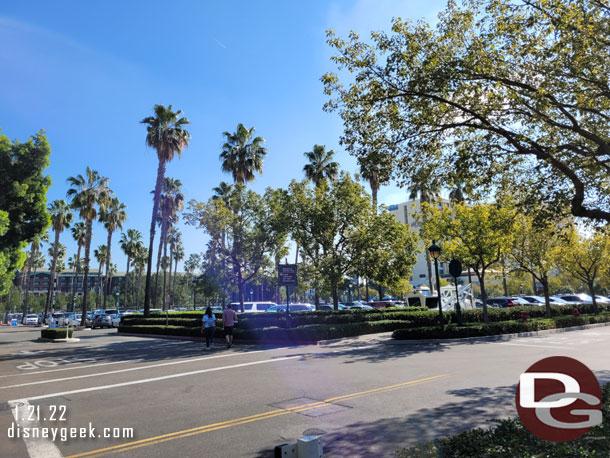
(116, 319)
(217, 309)
(250, 307)
(361, 307)
(101, 321)
(59, 319)
(602, 299)
(381, 304)
(575, 299)
(503, 302)
(32, 319)
(539, 300)
(292, 308)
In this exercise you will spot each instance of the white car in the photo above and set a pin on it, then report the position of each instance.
(32, 319)
(116, 319)
(250, 307)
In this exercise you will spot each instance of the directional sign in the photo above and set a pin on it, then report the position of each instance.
(287, 274)
(455, 268)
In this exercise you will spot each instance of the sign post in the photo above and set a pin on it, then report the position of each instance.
(287, 276)
(455, 269)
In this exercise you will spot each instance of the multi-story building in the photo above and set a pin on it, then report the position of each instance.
(409, 213)
(39, 281)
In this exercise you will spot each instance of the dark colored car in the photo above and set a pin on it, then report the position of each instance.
(102, 321)
(502, 302)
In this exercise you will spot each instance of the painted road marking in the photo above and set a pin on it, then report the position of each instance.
(97, 374)
(154, 379)
(240, 421)
(528, 345)
(38, 447)
(73, 368)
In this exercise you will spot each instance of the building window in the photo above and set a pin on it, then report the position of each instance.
(422, 275)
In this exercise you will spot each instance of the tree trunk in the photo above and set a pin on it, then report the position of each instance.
(591, 285)
(481, 277)
(126, 293)
(86, 272)
(366, 289)
(51, 275)
(108, 281)
(99, 285)
(316, 298)
(534, 284)
(374, 189)
(335, 293)
(138, 289)
(156, 295)
(240, 283)
(76, 272)
(547, 301)
(504, 284)
(164, 272)
(174, 282)
(27, 285)
(158, 185)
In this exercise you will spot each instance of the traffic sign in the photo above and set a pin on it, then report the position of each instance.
(287, 274)
(455, 268)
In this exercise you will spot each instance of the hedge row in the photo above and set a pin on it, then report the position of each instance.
(510, 438)
(55, 333)
(502, 327)
(514, 313)
(308, 333)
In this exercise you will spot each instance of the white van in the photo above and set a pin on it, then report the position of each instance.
(253, 307)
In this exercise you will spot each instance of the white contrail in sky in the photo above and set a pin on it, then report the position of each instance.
(219, 43)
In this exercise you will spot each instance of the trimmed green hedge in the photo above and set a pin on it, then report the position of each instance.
(510, 438)
(56, 333)
(503, 327)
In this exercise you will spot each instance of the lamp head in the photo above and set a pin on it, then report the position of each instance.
(434, 250)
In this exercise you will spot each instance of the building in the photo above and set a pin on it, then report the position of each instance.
(409, 213)
(39, 281)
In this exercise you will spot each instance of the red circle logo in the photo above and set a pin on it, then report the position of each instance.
(559, 399)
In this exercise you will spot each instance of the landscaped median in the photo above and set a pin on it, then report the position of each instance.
(510, 438)
(56, 333)
(407, 323)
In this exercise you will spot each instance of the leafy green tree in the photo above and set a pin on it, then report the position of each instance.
(61, 218)
(535, 249)
(113, 216)
(495, 89)
(583, 257)
(243, 154)
(166, 134)
(249, 224)
(23, 201)
(88, 193)
(477, 235)
(321, 165)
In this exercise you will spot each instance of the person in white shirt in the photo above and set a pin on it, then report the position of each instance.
(208, 326)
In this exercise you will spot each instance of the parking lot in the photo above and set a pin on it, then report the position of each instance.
(365, 396)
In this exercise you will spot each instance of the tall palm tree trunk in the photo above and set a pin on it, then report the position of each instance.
(86, 272)
(52, 275)
(76, 272)
(138, 283)
(126, 292)
(108, 281)
(27, 286)
(158, 185)
(174, 282)
(156, 294)
(171, 259)
(99, 285)
(164, 302)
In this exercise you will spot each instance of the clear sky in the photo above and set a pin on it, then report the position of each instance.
(88, 72)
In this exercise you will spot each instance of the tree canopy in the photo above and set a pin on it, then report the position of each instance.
(496, 89)
(23, 200)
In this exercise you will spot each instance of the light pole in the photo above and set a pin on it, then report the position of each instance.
(435, 252)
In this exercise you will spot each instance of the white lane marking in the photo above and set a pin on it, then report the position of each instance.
(528, 345)
(97, 374)
(73, 368)
(155, 379)
(38, 447)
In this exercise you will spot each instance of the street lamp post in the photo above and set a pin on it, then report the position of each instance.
(435, 252)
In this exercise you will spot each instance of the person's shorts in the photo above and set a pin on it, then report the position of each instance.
(228, 330)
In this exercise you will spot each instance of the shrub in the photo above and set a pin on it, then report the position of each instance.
(56, 333)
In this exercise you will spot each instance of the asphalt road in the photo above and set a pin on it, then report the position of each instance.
(366, 397)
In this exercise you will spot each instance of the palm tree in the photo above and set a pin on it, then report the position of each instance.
(34, 254)
(178, 256)
(59, 268)
(79, 234)
(88, 193)
(427, 192)
(190, 265)
(113, 217)
(37, 263)
(165, 133)
(128, 243)
(243, 154)
(222, 191)
(61, 217)
(101, 255)
(140, 258)
(74, 264)
(174, 238)
(171, 202)
(321, 165)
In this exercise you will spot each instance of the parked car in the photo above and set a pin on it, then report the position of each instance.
(539, 300)
(292, 308)
(361, 307)
(116, 319)
(32, 319)
(101, 321)
(253, 307)
(576, 299)
(381, 304)
(503, 302)
(602, 299)
(59, 319)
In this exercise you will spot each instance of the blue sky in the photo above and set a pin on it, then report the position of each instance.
(88, 72)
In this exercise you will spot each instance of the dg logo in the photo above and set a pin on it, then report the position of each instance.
(559, 399)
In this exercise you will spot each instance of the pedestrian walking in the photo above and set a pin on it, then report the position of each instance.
(208, 326)
(229, 318)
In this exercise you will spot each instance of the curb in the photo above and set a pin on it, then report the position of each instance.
(69, 340)
(500, 336)
(202, 339)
